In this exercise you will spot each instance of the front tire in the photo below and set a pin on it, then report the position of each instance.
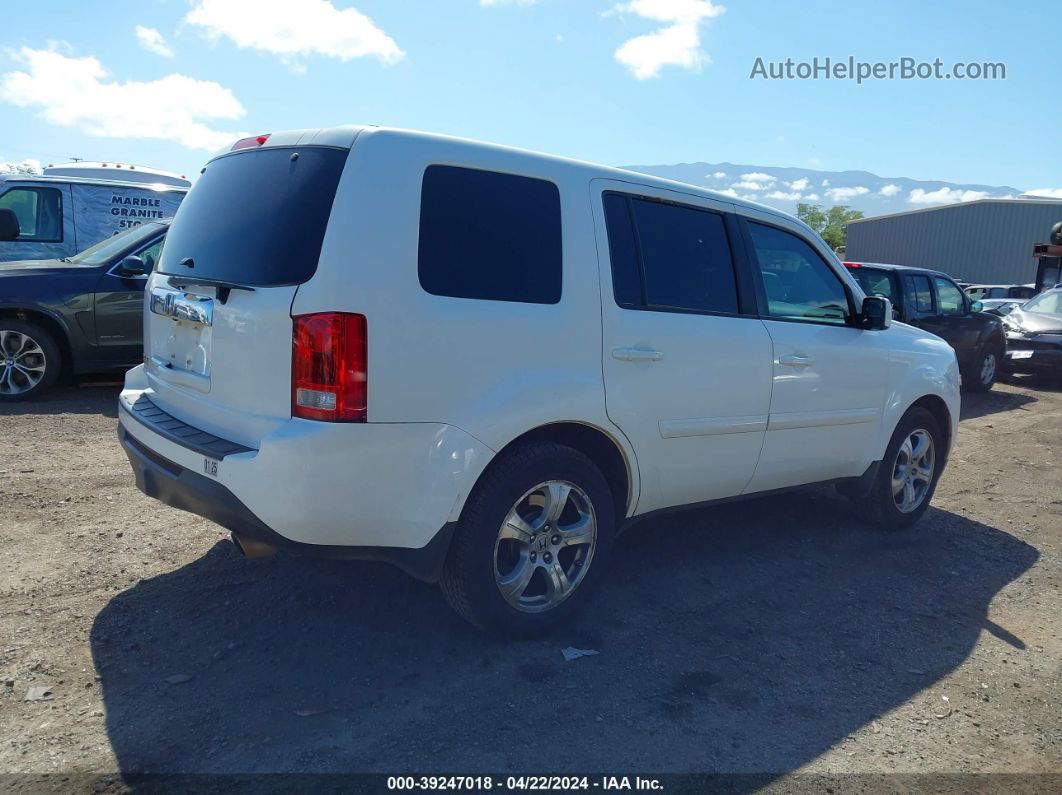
(30, 361)
(982, 373)
(532, 541)
(908, 475)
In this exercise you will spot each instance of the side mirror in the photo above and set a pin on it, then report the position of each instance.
(9, 228)
(977, 306)
(132, 266)
(877, 313)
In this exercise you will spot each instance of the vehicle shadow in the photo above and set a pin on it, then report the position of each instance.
(979, 405)
(81, 397)
(749, 637)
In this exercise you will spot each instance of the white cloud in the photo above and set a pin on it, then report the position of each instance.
(889, 190)
(728, 192)
(294, 28)
(824, 183)
(1050, 193)
(507, 2)
(677, 43)
(811, 197)
(746, 184)
(783, 196)
(944, 196)
(717, 175)
(153, 41)
(799, 184)
(758, 176)
(844, 194)
(27, 166)
(81, 94)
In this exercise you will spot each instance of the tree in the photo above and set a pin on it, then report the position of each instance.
(830, 224)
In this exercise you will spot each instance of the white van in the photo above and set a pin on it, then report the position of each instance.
(479, 363)
(71, 207)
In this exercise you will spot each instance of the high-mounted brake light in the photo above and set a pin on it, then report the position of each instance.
(250, 143)
(329, 367)
(852, 264)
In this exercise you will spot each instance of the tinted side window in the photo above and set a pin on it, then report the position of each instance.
(490, 236)
(39, 212)
(150, 255)
(669, 256)
(950, 296)
(919, 294)
(623, 251)
(798, 282)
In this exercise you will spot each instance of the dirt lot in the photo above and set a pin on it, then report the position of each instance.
(777, 635)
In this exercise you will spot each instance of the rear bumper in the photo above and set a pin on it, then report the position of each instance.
(178, 487)
(379, 491)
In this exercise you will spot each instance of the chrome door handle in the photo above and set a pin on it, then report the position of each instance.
(637, 355)
(792, 360)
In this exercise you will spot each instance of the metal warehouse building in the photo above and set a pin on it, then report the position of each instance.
(988, 241)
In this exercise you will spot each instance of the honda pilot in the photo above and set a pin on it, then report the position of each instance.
(479, 363)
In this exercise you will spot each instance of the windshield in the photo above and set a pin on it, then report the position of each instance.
(1050, 303)
(257, 217)
(110, 247)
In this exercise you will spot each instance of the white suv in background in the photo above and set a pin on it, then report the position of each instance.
(478, 363)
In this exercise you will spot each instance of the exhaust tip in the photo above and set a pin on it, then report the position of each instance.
(250, 548)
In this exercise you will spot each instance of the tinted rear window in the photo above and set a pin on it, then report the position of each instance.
(256, 217)
(491, 236)
(874, 282)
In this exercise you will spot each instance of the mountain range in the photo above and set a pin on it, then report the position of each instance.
(784, 188)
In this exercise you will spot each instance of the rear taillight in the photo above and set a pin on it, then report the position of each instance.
(329, 367)
(852, 264)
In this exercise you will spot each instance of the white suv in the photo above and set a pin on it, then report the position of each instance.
(478, 363)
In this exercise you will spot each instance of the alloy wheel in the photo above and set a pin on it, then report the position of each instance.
(545, 546)
(22, 362)
(913, 470)
(988, 368)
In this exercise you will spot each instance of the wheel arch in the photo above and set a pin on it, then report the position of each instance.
(50, 323)
(936, 406)
(614, 460)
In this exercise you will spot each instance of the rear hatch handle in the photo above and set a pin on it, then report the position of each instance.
(223, 286)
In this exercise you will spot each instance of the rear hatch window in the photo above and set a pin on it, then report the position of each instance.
(256, 217)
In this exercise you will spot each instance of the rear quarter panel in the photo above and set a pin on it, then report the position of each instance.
(491, 368)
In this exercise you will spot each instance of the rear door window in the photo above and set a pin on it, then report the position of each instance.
(256, 217)
(669, 256)
(489, 236)
(918, 294)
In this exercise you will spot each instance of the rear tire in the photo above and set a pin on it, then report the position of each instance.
(908, 475)
(982, 373)
(533, 540)
(30, 360)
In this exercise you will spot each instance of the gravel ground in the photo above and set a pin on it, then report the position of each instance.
(774, 636)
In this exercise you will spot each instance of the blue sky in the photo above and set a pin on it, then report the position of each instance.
(562, 76)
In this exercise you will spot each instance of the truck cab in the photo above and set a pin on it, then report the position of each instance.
(71, 207)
